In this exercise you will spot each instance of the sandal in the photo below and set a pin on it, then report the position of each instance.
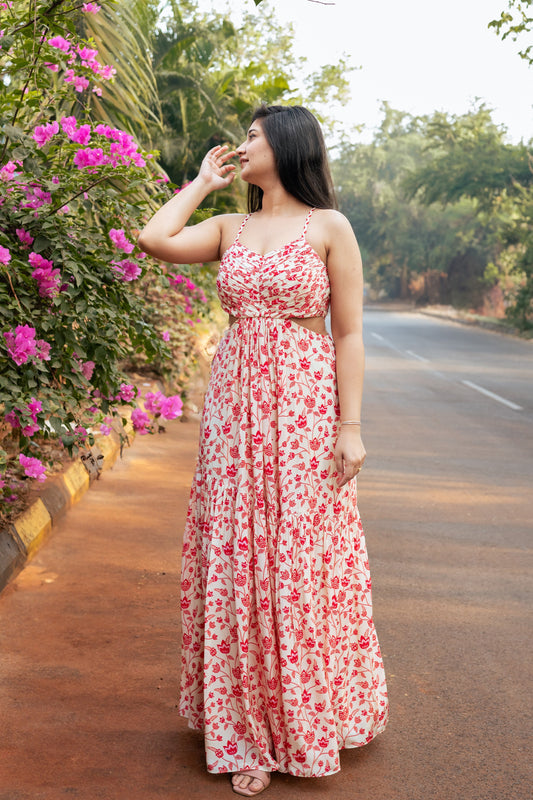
(254, 775)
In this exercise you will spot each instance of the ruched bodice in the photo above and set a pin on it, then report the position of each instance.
(291, 281)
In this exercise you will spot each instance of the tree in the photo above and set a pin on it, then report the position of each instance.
(411, 249)
(211, 75)
(469, 158)
(515, 22)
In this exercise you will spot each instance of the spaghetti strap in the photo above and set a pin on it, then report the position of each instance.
(243, 223)
(307, 221)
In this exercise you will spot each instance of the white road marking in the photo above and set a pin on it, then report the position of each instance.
(438, 374)
(420, 358)
(497, 397)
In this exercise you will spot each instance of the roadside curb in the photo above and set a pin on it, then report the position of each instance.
(474, 320)
(450, 314)
(20, 540)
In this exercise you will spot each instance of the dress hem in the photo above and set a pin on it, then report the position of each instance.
(214, 771)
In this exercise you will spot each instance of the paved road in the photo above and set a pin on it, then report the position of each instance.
(447, 501)
(89, 631)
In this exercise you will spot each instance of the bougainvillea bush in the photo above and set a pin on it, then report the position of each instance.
(77, 297)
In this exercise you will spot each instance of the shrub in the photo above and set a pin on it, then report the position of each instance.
(76, 294)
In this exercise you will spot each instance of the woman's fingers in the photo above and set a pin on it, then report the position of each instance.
(219, 155)
(215, 168)
(347, 469)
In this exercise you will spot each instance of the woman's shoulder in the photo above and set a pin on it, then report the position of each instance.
(331, 216)
(229, 227)
(332, 222)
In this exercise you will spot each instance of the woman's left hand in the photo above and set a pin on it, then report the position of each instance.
(350, 454)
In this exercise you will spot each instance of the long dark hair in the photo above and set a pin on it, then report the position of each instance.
(296, 138)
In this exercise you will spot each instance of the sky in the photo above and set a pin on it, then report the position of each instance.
(419, 55)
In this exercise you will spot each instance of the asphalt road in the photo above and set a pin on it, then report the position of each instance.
(89, 631)
(446, 496)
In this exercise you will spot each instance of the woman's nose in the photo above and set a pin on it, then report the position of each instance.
(240, 148)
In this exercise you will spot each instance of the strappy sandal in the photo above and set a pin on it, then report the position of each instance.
(262, 777)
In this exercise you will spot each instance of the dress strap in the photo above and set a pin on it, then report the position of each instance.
(307, 221)
(243, 223)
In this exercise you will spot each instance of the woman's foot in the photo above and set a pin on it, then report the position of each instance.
(250, 782)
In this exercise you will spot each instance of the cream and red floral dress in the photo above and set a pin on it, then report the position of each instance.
(281, 663)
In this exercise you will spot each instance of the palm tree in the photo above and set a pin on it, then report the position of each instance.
(122, 34)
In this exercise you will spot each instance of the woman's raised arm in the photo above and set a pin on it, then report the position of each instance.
(165, 236)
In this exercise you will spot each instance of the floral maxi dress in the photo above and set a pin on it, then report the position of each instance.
(281, 666)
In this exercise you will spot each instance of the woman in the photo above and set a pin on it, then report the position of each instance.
(281, 663)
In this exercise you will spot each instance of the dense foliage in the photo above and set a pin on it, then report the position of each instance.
(442, 209)
(82, 85)
(73, 192)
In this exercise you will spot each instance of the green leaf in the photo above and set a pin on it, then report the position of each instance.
(41, 243)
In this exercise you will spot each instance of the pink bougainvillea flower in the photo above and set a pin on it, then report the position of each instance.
(35, 197)
(91, 8)
(21, 343)
(79, 81)
(51, 67)
(87, 369)
(106, 426)
(126, 270)
(118, 237)
(81, 433)
(167, 407)
(49, 279)
(172, 407)
(153, 401)
(5, 255)
(82, 135)
(12, 419)
(7, 173)
(97, 91)
(60, 43)
(34, 407)
(104, 130)
(90, 157)
(43, 133)
(165, 336)
(69, 125)
(86, 53)
(140, 420)
(33, 468)
(30, 430)
(127, 392)
(24, 236)
(107, 72)
(43, 350)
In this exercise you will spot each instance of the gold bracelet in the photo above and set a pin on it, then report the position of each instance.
(351, 422)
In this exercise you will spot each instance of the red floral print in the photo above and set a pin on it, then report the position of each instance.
(281, 663)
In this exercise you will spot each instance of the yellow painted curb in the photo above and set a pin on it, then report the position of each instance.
(33, 526)
(20, 540)
(76, 480)
(109, 448)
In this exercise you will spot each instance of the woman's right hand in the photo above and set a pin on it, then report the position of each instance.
(168, 237)
(215, 171)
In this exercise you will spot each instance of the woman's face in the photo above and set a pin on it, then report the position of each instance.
(256, 156)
